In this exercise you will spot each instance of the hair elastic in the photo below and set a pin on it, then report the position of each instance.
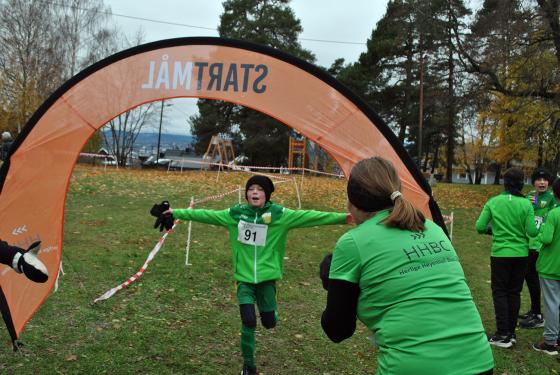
(395, 195)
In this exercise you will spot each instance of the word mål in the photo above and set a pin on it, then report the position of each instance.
(216, 76)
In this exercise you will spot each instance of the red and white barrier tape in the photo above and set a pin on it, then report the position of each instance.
(242, 167)
(216, 197)
(101, 156)
(108, 294)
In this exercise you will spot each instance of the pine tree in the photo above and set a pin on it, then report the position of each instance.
(262, 139)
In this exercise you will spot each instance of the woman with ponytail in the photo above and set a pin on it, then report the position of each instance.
(398, 273)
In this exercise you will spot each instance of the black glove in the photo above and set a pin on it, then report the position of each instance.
(488, 230)
(26, 262)
(163, 221)
(324, 269)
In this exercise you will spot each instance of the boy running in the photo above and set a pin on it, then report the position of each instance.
(258, 231)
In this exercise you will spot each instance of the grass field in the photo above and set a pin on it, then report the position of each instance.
(184, 320)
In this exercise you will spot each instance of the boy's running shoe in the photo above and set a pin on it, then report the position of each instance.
(532, 321)
(502, 341)
(248, 370)
(524, 316)
(546, 348)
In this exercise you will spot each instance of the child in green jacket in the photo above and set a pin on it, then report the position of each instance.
(548, 267)
(513, 222)
(543, 201)
(258, 231)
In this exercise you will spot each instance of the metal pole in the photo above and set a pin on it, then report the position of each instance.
(421, 111)
(159, 133)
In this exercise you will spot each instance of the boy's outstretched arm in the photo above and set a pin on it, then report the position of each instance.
(312, 218)
(214, 217)
(165, 215)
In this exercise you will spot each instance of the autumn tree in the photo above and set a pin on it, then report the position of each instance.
(515, 30)
(513, 51)
(43, 44)
(31, 62)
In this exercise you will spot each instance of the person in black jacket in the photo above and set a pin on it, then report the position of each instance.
(6, 145)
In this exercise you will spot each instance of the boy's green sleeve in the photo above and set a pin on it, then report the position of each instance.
(547, 230)
(312, 218)
(215, 217)
(483, 220)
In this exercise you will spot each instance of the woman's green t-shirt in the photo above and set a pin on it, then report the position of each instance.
(414, 298)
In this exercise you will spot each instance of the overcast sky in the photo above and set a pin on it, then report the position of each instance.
(331, 29)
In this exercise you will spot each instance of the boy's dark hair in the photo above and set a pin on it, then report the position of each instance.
(262, 181)
(539, 173)
(556, 187)
(513, 181)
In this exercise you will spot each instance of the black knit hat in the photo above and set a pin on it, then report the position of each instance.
(539, 173)
(262, 181)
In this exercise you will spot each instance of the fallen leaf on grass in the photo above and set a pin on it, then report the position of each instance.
(72, 357)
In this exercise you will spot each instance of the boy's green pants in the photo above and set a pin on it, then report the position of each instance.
(264, 295)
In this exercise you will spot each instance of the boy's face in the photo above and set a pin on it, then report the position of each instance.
(541, 185)
(256, 196)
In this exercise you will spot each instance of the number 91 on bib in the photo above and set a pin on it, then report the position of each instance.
(252, 234)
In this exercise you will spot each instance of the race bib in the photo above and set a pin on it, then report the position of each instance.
(538, 221)
(252, 234)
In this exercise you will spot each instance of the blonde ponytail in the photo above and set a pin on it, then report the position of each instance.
(405, 216)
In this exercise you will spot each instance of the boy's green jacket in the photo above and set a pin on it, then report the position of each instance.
(258, 250)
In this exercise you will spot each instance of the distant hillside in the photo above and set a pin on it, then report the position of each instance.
(167, 140)
(146, 139)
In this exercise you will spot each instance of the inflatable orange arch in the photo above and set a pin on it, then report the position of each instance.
(35, 179)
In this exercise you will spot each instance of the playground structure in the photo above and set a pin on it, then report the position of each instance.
(296, 152)
(221, 145)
